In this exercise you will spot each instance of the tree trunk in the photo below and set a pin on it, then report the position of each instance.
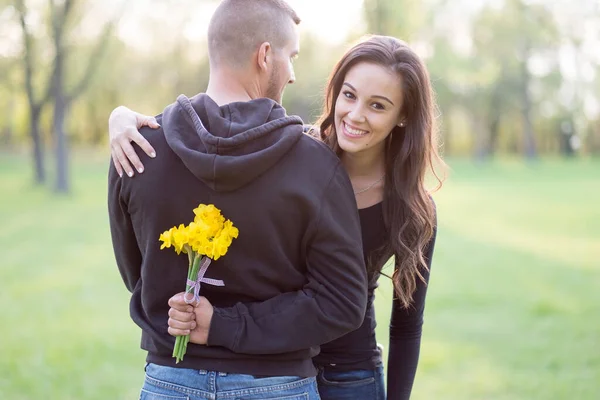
(529, 145)
(38, 148)
(593, 139)
(494, 115)
(528, 136)
(60, 138)
(35, 106)
(494, 133)
(62, 153)
(480, 139)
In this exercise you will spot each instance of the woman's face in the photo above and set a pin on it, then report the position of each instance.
(367, 108)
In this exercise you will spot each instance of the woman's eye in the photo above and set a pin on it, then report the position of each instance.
(378, 106)
(349, 95)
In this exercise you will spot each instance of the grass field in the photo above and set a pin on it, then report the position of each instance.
(513, 309)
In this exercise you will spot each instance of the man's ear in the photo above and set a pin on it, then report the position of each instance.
(264, 56)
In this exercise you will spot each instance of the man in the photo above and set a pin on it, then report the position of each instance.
(295, 277)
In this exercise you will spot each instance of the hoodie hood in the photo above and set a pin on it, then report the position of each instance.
(230, 146)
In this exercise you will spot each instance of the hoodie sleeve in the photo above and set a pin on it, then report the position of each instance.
(406, 327)
(331, 304)
(127, 252)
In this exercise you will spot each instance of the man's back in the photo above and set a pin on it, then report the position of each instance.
(294, 278)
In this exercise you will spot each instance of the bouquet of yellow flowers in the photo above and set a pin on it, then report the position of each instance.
(207, 238)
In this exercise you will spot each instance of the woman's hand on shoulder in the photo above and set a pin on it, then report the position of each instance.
(123, 125)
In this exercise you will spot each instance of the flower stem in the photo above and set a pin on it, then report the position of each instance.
(181, 342)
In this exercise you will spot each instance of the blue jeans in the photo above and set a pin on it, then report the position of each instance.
(349, 385)
(167, 383)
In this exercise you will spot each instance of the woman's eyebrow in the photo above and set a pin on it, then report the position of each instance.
(375, 96)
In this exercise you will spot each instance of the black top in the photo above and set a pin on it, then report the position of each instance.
(358, 349)
(295, 277)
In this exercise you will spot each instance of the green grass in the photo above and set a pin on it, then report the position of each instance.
(512, 312)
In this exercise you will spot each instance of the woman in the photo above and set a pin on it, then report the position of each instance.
(378, 117)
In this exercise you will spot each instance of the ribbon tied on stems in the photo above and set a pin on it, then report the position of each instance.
(194, 285)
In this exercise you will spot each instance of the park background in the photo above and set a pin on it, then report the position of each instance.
(514, 299)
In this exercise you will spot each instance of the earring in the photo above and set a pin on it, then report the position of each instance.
(401, 124)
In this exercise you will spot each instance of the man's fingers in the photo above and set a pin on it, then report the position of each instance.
(181, 325)
(182, 316)
(178, 332)
(131, 154)
(178, 302)
(144, 144)
(122, 159)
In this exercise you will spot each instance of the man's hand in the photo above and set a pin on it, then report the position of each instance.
(186, 319)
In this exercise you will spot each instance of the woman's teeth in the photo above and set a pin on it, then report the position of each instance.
(355, 132)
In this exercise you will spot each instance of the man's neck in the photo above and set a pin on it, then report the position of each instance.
(226, 87)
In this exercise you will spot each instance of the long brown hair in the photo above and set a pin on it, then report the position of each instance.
(411, 151)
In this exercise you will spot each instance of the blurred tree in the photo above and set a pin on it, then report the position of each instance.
(498, 68)
(145, 77)
(36, 102)
(403, 19)
(456, 79)
(61, 12)
(507, 39)
(581, 89)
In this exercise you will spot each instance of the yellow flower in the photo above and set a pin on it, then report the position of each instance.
(231, 230)
(180, 238)
(167, 238)
(209, 234)
(221, 246)
(210, 218)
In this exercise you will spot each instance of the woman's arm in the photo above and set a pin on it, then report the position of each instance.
(405, 336)
(123, 125)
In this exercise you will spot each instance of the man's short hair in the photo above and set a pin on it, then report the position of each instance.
(239, 27)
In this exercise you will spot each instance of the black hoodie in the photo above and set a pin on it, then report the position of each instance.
(294, 279)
